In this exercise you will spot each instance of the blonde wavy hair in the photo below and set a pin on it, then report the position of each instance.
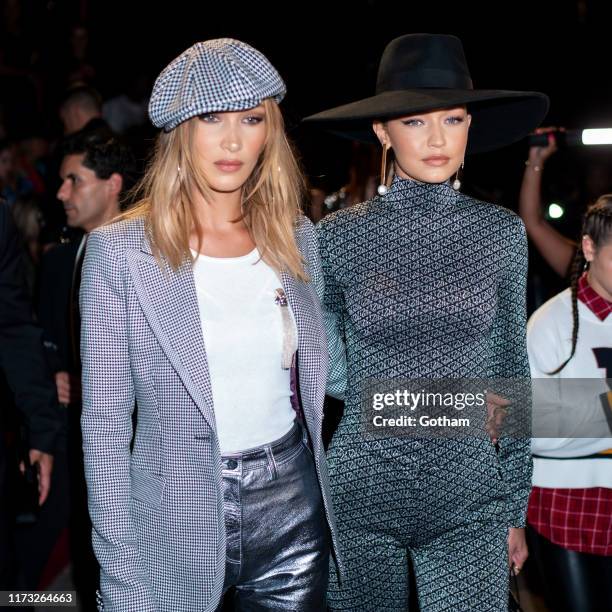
(271, 197)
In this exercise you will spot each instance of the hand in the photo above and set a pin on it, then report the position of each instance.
(68, 388)
(44, 463)
(496, 414)
(517, 549)
(538, 155)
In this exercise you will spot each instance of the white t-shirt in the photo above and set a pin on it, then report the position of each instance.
(243, 335)
(568, 462)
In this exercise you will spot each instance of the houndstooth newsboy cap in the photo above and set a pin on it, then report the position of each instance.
(217, 75)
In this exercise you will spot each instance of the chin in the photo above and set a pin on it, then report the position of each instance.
(436, 178)
(228, 184)
(220, 188)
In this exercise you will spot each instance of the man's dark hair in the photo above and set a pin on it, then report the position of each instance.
(105, 157)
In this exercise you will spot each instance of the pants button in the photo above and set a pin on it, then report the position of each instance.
(232, 464)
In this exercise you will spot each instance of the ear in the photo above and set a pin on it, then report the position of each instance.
(380, 129)
(469, 120)
(588, 248)
(115, 183)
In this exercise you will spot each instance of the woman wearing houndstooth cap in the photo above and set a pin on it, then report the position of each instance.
(198, 305)
(426, 283)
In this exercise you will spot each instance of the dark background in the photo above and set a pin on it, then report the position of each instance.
(328, 53)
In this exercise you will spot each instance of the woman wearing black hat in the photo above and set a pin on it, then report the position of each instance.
(427, 283)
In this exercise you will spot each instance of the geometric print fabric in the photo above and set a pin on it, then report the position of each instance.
(425, 282)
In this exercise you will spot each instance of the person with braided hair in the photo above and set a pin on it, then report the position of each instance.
(570, 507)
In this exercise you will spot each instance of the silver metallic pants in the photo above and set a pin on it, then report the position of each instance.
(277, 536)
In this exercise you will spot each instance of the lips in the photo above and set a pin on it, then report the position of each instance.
(436, 160)
(229, 165)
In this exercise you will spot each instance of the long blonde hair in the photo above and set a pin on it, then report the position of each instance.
(271, 197)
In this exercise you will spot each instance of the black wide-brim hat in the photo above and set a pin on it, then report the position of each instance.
(424, 72)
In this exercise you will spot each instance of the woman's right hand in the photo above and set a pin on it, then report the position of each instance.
(537, 154)
(517, 549)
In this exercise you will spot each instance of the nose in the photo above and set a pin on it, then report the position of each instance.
(436, 136)
(232, 141)
(63, 191)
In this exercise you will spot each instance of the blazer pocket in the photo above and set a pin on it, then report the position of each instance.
(147, 488)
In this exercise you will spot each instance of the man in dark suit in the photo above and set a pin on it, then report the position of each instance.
(23, 364)
(95, 173)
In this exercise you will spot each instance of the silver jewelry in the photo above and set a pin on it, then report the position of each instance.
(457, 182)
(534, 167)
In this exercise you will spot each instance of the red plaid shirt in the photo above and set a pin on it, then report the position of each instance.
(586, 294)
(577, 519)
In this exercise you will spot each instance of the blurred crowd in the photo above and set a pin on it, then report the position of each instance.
(69, 158)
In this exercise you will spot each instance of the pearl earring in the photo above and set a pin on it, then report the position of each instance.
(457, 182)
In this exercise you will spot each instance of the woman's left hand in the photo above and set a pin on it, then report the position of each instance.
(517, 549)
(496, 414)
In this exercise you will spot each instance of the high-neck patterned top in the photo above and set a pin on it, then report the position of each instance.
(426, 282)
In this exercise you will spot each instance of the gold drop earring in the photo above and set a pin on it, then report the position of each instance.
(382, 188)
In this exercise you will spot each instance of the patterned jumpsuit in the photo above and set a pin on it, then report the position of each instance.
(425, 282)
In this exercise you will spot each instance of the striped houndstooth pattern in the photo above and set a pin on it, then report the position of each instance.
(216, 75)
(157, 513)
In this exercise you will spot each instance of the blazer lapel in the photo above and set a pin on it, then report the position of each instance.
(170, 304)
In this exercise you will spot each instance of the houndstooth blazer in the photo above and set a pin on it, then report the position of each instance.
(157, 508)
